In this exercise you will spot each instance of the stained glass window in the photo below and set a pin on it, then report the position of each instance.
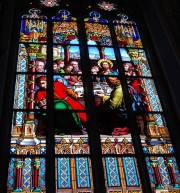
(85, 96)
(26, 174)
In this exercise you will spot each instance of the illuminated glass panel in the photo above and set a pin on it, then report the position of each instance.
(74, 174)
(112, 172)
(42, 172)
(33, 128)
(76, 144)
(64, 177)
(130, 171)
(144, 98)
(112, 119)
(25, 173)
(49, 3)
(67, 61)
(143, 94)
(121, 173)
(127, 32)
(150, 171)
(68, 93)
(176, 170)
(98, 34)
(33, 27)
(107, 6)
(95, 17)
(64, 15)
(28, 122)
(117, 145)
(83, 175)
(135, 62)
(96, 53)
(163, 173)
(26, 91)
(11, 173)
(112, 116)
(29, 116)
(69, 104)
(65, 32)
(32, 58)
(61, 53)
(97, 31)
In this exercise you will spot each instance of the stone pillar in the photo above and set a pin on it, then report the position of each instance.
(18, 176)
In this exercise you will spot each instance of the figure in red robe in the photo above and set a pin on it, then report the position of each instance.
(64, 99)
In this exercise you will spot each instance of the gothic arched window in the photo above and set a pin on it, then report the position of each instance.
(86, 116)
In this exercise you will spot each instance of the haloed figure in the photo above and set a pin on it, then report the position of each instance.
(106, 67)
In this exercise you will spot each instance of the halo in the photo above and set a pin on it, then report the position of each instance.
(105, 60)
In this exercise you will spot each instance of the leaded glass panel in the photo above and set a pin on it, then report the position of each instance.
(119, 69)
(26, 174)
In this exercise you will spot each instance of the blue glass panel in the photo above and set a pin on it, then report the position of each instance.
(20, 90)
(82, 169)
(64, 179)
(130, 172)
(163, 172)
(150, 171)
(42, 171)
(155, 103)
(11, 173)
(112, 171)
(176, 170)
(27, 169)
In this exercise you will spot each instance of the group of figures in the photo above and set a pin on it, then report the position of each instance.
(112, 114)
(70, 112)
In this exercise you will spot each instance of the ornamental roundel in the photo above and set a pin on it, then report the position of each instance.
(107, 6)
(50, 3)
